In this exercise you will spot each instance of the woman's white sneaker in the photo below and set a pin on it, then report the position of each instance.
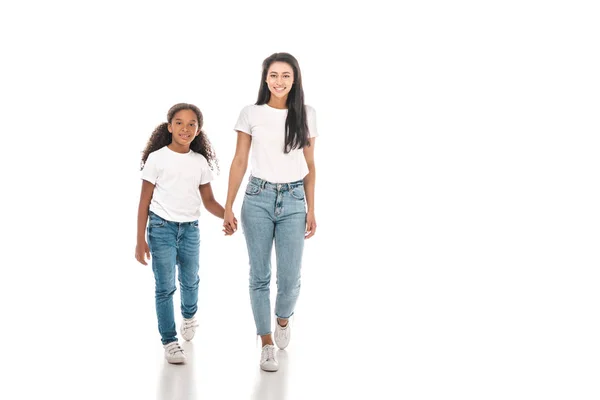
(282, 335)
(174, 353)
(188, 328)
(268, 362)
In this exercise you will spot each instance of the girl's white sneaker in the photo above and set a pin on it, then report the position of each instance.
(188, 328)
(174, 353)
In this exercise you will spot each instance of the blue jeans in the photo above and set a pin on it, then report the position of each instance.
(171, 244)
(276, 213)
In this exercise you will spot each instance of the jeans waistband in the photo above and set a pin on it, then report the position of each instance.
(266, 184)
(150, 213)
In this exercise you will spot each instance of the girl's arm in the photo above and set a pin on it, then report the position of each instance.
(212, 205)
(236, 174)
(309, 188)
(141, 249)
(208, 199)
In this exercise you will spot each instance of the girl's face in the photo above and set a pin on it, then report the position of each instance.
(280, 78)
(184, 127)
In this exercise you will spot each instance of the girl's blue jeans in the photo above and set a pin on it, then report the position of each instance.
(174, 244)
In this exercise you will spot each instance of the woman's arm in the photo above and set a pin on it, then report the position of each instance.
(309, 188)
(236, 174)
(141, 248)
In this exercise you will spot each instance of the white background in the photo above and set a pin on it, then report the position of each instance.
(457, 196)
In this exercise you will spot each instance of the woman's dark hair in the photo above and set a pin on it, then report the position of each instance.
(296, 127)
(162, 137)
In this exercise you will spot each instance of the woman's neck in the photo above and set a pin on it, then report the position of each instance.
(276, 102)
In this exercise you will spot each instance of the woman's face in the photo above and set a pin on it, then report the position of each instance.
(280, 78)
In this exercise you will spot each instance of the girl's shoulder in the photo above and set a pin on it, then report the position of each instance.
(157, 153)
(161, 150)
(199, 158)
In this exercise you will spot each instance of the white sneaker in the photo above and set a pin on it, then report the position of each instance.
(174, 353)
(188, 328)
(267, 359)
(282, 335)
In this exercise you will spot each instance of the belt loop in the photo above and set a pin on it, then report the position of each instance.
(263, 183)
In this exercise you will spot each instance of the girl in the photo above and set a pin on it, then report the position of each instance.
(279, 202)
(177, 169)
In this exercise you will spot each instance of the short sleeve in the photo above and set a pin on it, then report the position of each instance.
(150, 170)
(243, 122)
(207, 176)
(311, 120)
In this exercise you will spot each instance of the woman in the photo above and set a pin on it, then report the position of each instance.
(278, 204)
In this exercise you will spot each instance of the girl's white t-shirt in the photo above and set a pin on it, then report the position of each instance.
(176, 178)
(268, 161)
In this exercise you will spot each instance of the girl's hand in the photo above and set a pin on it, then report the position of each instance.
(311, 225)
(142, 250)
(229, 222)
(228, 230)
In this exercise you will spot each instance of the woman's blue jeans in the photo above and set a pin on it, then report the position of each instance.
(274, 213)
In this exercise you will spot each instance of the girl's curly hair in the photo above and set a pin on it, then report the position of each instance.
(161, 137)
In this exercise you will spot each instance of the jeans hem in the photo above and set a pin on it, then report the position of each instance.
(278, 316)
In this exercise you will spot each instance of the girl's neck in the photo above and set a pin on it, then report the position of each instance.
(276, 102)
(178, 148)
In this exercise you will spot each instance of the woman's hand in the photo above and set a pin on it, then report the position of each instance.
(142, 250)
(229, 222)
(311, 225)
(227, 230)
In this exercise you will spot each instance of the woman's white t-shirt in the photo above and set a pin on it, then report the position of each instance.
(268, 161)
(176, 178)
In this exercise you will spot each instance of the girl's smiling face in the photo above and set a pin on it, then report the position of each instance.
(184, 127)
(280, 79)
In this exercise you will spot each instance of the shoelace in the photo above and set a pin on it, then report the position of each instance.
(174, 348)
(268, 353)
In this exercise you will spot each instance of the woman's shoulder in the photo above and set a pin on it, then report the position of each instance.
(309, 109)
(248, 108)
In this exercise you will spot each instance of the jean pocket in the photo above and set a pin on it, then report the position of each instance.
(252, 189)
(155, 221)
(298, 192)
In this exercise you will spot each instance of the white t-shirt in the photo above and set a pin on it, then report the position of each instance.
(176, 178)
(266, 125)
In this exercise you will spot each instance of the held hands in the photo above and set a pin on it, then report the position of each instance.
(228, 230)
(229, 223)
(142, 250)
(311, 225)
